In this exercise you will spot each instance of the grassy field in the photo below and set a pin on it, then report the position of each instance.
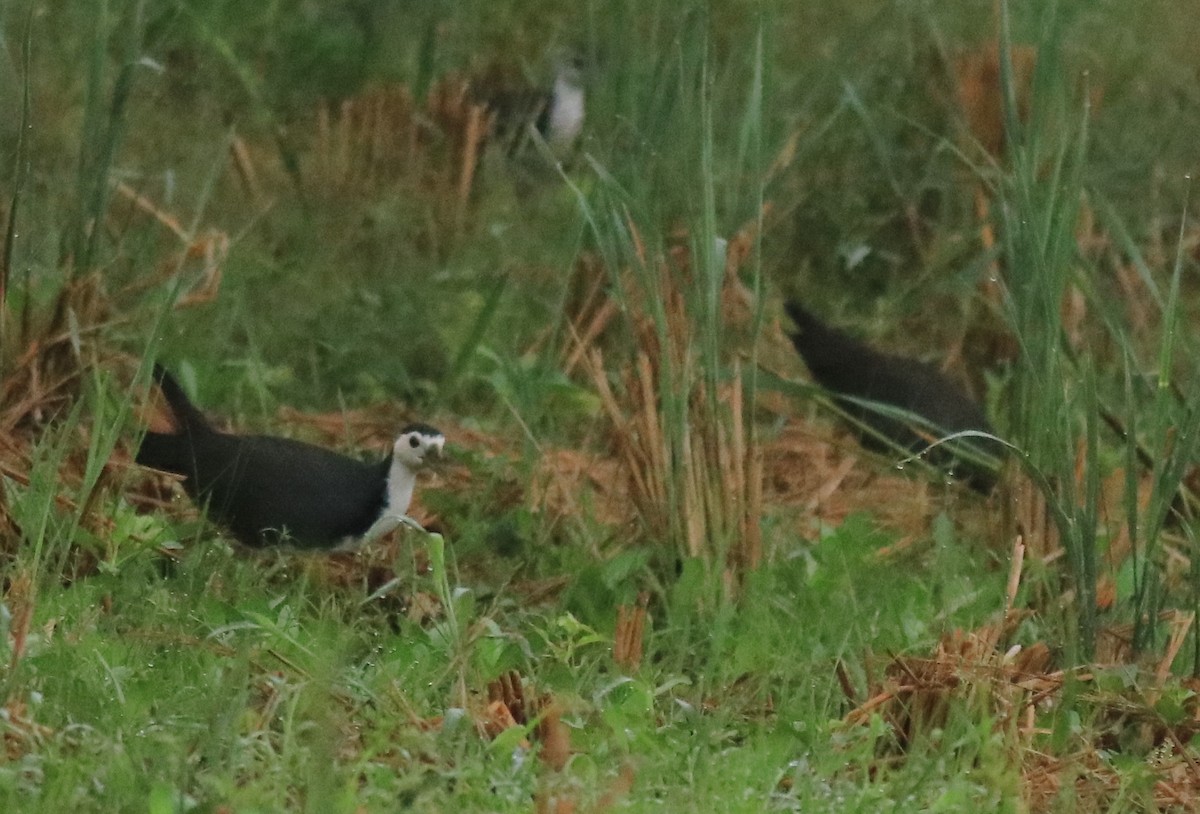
(661, 574)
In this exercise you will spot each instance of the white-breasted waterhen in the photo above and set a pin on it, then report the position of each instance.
(855, 373)
(557, 113)
(268, 490)
(561, 119)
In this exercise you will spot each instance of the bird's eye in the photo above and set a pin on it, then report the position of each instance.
(413, 442)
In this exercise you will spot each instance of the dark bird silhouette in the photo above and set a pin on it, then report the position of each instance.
(855, 373)
(268, 490)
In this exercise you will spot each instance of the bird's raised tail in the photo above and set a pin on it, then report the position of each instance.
(184, 414)
(827, 351)
(172, 452)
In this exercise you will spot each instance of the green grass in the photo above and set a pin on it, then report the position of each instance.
(219, 681)
(237, 679)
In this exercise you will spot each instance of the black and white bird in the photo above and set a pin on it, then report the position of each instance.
(561, 119)
(556, 113)
(268, 490)
(856, 374)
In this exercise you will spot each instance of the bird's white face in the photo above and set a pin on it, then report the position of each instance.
(416, 444)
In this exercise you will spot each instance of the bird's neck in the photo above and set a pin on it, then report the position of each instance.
(400, 483)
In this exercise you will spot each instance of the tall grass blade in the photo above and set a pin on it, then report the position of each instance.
(20, 175)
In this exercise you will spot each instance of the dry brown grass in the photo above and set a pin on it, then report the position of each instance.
(382, 134)
(383, 137)
(628, 637)
(510, 704)
(47, 353)
(694, 479)
(1014, 686)
(978, 92)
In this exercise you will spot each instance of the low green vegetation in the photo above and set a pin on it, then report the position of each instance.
(657, 577)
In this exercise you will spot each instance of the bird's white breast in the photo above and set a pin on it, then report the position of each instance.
(566, 114)
(401, 482)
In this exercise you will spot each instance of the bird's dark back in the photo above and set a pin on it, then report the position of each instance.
(846, 366)
(249, 482)
(855, 373)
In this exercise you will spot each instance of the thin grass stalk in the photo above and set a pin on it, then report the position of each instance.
(608, 402)
(672, 390)
(343, 155)
(102, 136)
(372, 118)
(1087, 520)
(734, 460)
(712, 270)
(656, 443)
(1132, 509)
(1189, 531)
(751, 152)
(1014, 131)
(693, 502)
(477, 125)
(92, 124)
(20, 174)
